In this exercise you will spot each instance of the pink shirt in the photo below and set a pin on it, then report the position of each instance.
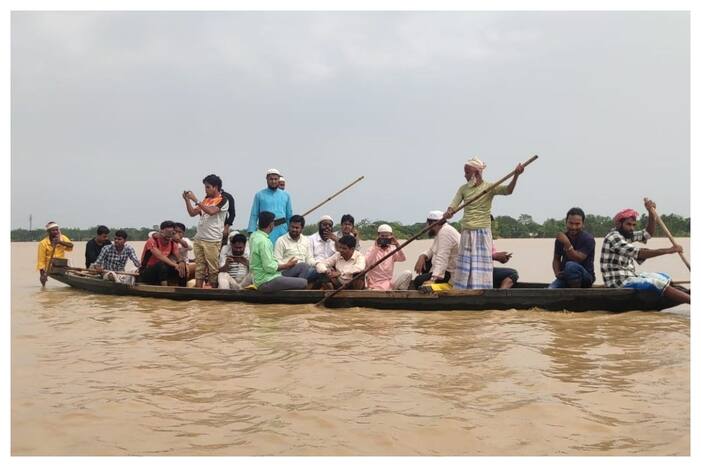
(380, 278)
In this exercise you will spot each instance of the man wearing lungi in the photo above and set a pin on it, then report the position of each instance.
(474, 264)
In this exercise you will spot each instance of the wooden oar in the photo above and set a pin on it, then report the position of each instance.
(658, 219)
(426, 229)
(332, 197)
(135, 274)
(48, 266)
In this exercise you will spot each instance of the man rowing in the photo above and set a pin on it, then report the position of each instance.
(618, 252)
(474, 264)
(54, 245)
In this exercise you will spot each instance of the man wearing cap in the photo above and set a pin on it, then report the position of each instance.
(437, 264)
(322, 244)
(281, 183)
(618, 253)
(380, 278)
(474, 263)
(56, 244)
(274, 200)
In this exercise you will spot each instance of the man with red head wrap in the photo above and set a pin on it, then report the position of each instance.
(618, 253)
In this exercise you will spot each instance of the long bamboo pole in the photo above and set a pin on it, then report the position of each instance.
(659, 221)
(426, 229)
(332, 196)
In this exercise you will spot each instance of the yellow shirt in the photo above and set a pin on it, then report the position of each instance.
(45, 249)
(476, 214)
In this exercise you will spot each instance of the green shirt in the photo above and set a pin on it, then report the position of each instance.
(476, 214)
(262, 260)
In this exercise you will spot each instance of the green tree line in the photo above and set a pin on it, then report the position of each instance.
(503, 227)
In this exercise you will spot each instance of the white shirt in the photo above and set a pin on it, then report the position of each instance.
(287, 248)
(236, 270)
(321, 249)
(444, 251)
(347, 269)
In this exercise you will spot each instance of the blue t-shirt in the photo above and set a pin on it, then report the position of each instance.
(584, 243)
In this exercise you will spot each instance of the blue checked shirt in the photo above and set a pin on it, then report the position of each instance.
(617, 255)
(113, 260)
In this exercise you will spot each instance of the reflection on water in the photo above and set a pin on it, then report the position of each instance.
(116, 375)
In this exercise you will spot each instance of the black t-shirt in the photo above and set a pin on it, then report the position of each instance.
(584, 243)
(92, 251)
(231, 213)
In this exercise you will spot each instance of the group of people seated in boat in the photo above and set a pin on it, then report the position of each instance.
(276, 255)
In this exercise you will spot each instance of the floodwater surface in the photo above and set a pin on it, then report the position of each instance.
(102, 375)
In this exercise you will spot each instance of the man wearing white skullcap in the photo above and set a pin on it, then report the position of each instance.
(322, 244)
(56, 244)
(474, 262)
(437, 264)
(274, 200)
(380, 278)
(281, 183)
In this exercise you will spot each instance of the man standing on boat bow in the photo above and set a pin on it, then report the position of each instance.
(474, 264)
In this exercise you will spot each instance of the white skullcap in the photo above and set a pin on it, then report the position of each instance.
(435, 215)
(273, 172)
(325, 218)
(231, 234)
(51, 225)
(384, 228)
(476, 163)
(282, 179)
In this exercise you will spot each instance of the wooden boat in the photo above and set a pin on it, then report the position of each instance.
(523, 296)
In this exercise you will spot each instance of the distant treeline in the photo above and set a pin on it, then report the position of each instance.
(503, 227)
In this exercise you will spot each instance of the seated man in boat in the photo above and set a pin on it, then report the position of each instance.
(618, 253)
(161, 261)
(233, 265)
(343, 265)
(380, 278)
(294, 244)
(503, 278)
(113, 258)
(95, 245)
(185, 246)
(322, 244)
(264, 267)
(54, 245)
(437, 264)
(348, 228)
(573, 260)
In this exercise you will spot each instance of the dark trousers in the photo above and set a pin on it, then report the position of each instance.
(426, 275)
(160, 272)
(500, 274)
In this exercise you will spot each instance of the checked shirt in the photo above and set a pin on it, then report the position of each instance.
(617, 255)
(113, 260)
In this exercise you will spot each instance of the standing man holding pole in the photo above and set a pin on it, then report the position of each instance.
(474, 265)
(54, 245)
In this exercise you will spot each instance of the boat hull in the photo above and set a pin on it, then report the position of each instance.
(527, 296)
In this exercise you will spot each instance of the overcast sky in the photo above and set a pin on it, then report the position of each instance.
(114, 114)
